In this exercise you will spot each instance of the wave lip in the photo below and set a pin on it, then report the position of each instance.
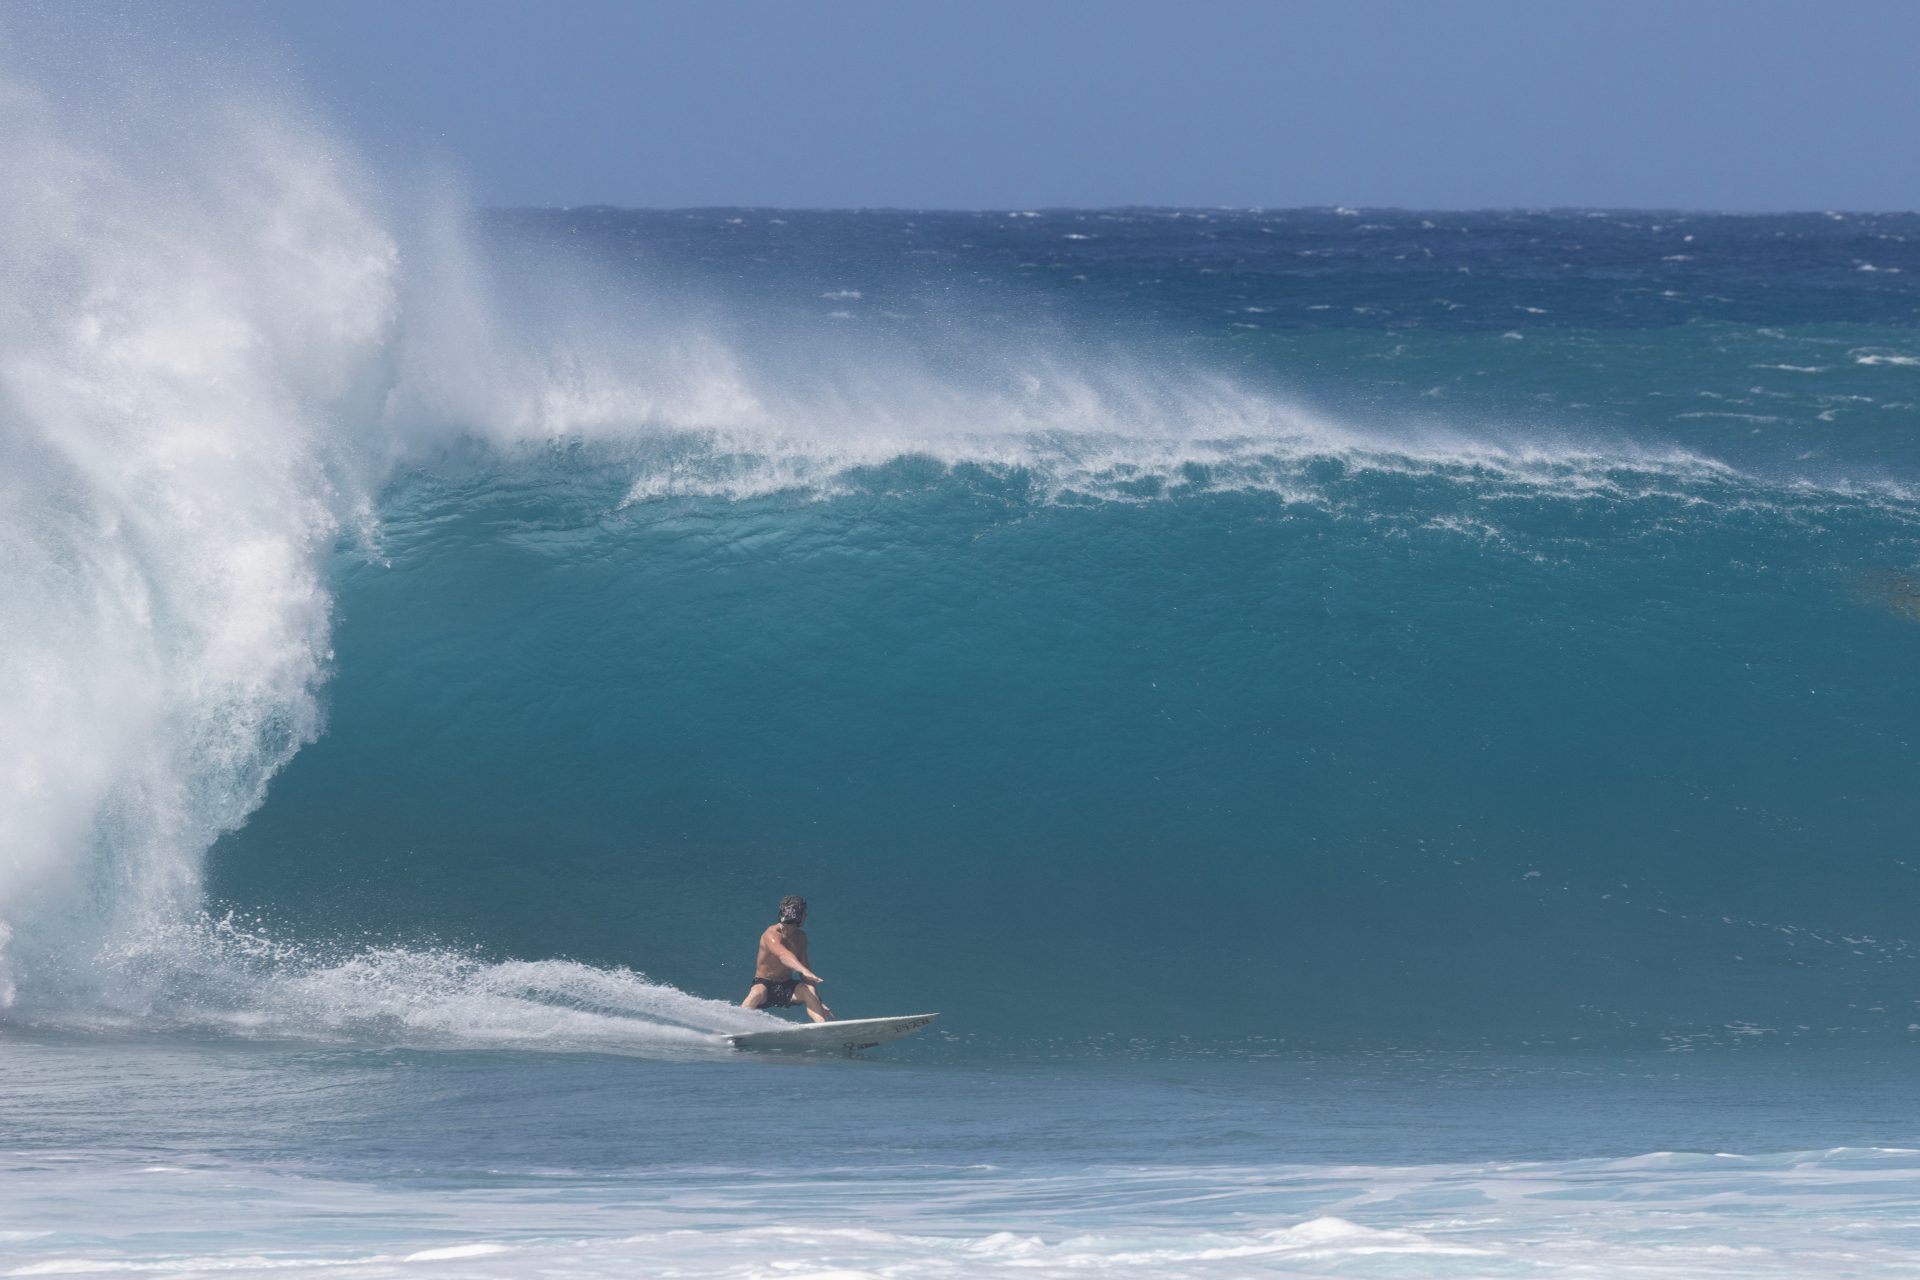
(1314, 464)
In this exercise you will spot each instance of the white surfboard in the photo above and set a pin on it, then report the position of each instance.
(845, 1037)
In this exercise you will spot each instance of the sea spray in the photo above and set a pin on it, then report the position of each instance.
(178, 342)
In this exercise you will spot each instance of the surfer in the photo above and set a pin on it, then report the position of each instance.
(781, 978)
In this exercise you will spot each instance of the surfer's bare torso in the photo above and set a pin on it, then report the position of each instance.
(783, 952)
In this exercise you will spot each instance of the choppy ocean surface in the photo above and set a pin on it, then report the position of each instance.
(1389, 737)
(203, 1158)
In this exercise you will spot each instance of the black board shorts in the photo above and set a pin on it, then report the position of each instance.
(779, 991)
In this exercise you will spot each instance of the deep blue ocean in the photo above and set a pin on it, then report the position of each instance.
(1388, 737)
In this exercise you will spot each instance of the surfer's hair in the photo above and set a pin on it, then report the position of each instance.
(792, 907)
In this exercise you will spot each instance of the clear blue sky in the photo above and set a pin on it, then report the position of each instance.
(1711, 104)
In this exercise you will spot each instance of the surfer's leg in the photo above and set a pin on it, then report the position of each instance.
(756, 996)
(816, 1008)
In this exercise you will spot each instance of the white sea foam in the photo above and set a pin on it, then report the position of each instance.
(203, 974)
(1664, 1216)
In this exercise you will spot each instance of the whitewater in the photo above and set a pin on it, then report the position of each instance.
(1466, 657)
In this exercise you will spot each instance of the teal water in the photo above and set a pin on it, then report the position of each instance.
(1542, 720)
(1214, 764)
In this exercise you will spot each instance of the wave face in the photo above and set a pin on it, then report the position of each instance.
(1416, 751)
(1124, 627)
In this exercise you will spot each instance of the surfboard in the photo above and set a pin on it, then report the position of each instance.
(845, 1037)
